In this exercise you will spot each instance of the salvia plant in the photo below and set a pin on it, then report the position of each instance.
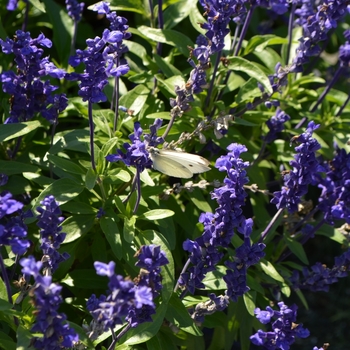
(174, 174)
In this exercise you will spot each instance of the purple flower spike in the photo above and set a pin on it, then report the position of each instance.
(133, 302)
(75, 9)
(30, 94)
(304, 166)
(49, 220)
(284, 329)
(136, 154)
(47, 299)
(219, 229)
(276, 125)
(13, 231)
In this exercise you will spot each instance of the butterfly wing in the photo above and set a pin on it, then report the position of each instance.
(194, 163)
(169, 166)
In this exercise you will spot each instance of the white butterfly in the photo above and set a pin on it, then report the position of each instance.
(177, 163)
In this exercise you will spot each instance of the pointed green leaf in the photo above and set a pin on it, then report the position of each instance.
(63, 190)
(12, 131)
(66, 165)
(156, 214)
(129, 229)
(111, 230)
(251, 69)
(167, 36)
(270, 270)
(249, 301)
(297, 249)
(13, 167)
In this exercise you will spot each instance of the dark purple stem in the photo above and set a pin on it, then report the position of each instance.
(303, 240)
(115, 340)
(269, 226)
(217, 61)
(322, 96)
(115, 98)
(25, 21)
(290, 30)
(244, 29)
(343, 106)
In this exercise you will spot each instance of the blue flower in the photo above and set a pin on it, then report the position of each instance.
(315, 29)
(13, 230)
(49, 220)
(319, 277)
(136, 153)
(75, 9)
(334, 200)
(284, 329)
(3, 179)
(219, 229)
(304, 166)
(47, 299)
(276, 124)
(133, 302)
(151, 257)
(31, 95)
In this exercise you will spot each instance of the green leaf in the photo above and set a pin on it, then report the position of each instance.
(12, 131)
(177, 12)
(259, 42)
(156, 214)
(246, 325)
(197, 19)
(90, 179)
(85, 278)
(251, 69)
(297, 249)
(160, 115)
(332, 233)
(64, 190)
(111, 230)
(200, 201)
(269, 58)
(7, 343)
(302, 298)
(253, 283)
(129, 229)
(270, 270)
(77, 225)
(146, 330)
(285, 289)
(155, 343)
(166, 68)
(248, 91)
(249, 301)
(76, 140)
(13, 167)
(63, 28)
(24, 338)
(167, 36)
(135, 98)
(66, 165)
(128, 5)
(171, 83)
(4, 305)
(117, 175)
(214, 279)
(178, 315)
(38, 5)
(76, 207)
